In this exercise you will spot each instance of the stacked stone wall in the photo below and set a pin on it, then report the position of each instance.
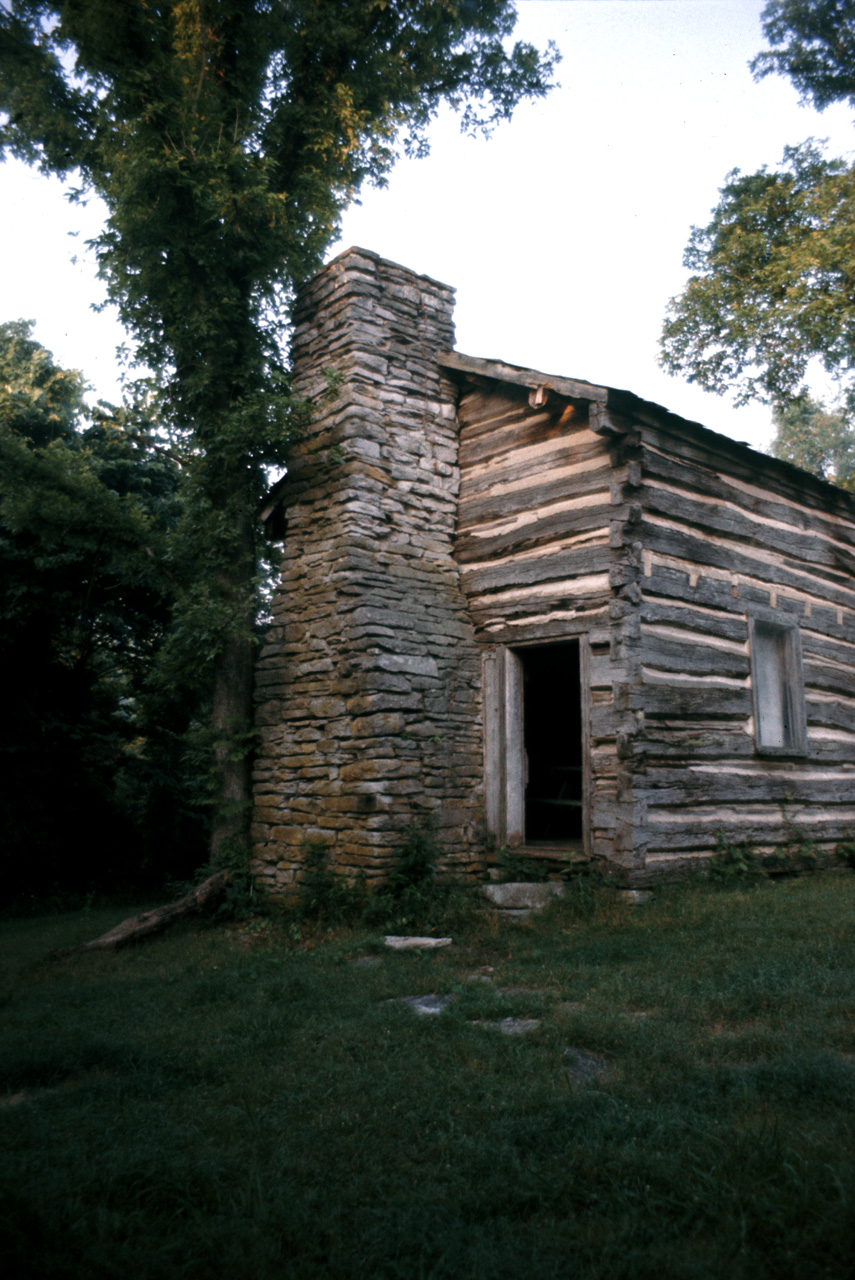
(369, 683)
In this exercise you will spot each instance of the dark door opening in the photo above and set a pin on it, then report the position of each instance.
(552, 729)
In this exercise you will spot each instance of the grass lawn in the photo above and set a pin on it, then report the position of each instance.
(241, 1101)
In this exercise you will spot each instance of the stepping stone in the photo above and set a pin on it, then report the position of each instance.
(523, 895)
(511, 1026)
(423, 1005)
(415, 944)
(583, 1065)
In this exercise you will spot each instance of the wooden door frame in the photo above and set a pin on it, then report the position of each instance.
(504, 754)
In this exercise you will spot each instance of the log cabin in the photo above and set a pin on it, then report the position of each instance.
(545, 615)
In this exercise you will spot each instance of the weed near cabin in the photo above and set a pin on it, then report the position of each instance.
(736, 861)
(413, 896)
(198, 1107)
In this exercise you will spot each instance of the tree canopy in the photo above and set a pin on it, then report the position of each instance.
(813, 44)
(93, 746)
(812, 438)
(773, 273)
(225, 138)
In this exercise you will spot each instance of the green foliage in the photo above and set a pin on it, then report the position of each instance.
(734, 861)
(813, 45)
(415, 859)
(225, 138)
(846, 851)
(771, 289)
(413, 896)
(590, 892)
(38, 400)
(98, 787)
(817, 441)
(798, 854)
(325, 896)
(514, 866)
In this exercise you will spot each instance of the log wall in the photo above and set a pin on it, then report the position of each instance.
(723, 532)
(545, 503)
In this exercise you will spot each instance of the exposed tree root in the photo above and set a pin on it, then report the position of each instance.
(143, 926)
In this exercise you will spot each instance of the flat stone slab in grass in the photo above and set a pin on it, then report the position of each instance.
(423, 1005)
(523, 895)
(511, 1026)
(415, 944)
(583, 1065)
(636, 897)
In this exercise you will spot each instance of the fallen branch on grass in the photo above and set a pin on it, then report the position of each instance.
(143, 926)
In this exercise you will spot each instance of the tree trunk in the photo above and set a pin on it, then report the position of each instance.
(232, 714)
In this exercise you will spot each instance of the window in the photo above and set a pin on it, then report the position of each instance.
(778, 687)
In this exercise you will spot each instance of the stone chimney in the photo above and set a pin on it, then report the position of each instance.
(369, 682)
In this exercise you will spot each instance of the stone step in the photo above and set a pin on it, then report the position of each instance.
(517, 900)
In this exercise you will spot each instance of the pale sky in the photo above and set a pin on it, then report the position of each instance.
(563, 234)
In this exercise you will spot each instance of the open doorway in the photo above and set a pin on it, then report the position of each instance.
(552, 738)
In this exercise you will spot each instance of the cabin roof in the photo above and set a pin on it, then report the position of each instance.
(626, 403)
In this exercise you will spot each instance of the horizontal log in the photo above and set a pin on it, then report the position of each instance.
(692, 657)
(666, 583)
(692, 445)
(643, 757)
(495, 613)
(831, 713)
(701, 621)
(705, 474)
(475, 543)
(552, 454)
(516, 571)
(514, 494)
(820, 648)
(496, 440)
(673, 787)
(703, 831)
(724, 742)
(563, 624)
(481, 408)
(737, 559)
(829, 678)
(692, 702)
(813, 548)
